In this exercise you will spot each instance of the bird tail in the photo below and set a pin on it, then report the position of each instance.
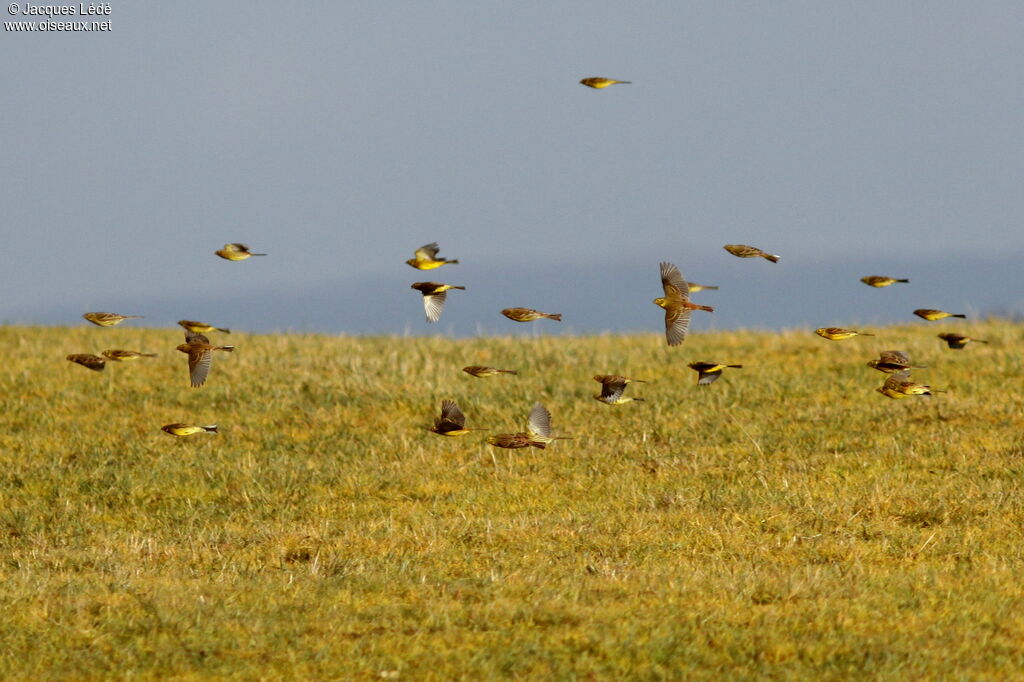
(772, 257)
(453, 262)
(507, 371)
(626, 82)
(980, 340)
(136, 317)
(455, 287)
(257, 254)
(903, 280)
(706, 307)
(709, 288)
(865, 334)
(227, 348)
(538, 444)
(959, 315)
(641, 399)
(554, 316)
(226, 331)
(148, 355)
(212, 428)
(736, 366)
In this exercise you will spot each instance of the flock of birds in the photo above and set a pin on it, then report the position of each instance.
(452, 422)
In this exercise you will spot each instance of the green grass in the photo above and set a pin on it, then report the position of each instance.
(785, 522)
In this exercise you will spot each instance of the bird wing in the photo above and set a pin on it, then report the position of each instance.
(894, 357)
(612, 388)
(677, 321)
(708, 376)
(676, 288)
(427, 251)
(897, 380)
(539, 421)
(236, 247)
(451, 414)
(433, 304)
(196, 337)
(199, 366)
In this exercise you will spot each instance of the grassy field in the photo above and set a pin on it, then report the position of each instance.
(787, 521)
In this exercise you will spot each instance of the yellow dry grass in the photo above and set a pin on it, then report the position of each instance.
(785, 522)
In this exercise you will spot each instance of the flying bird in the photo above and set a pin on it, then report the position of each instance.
(93, 362)
(744, 251)
(182, 430)
(451, 422)
(932, 315)
(676, 303)
(598, 83)
(878, 281)
(529, 314)
(236, 251)
(425, 258)
(899, 385)
(200, 356)
(613, 388)
(108, 319)
(958, 341)
(482, 371)
(126, 355)
(838, 333)
(708, 372)
(892, 361)
(538, 433)
(201, 327)
(434, 297)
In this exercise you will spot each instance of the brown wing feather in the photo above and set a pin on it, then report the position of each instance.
(677, 321)
(199, 366)
(675, 286)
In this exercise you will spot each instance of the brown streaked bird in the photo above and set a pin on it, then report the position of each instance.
(109, 319)
(899, 385)
(483, 371)
(879, 281)
(93, 362)
(932, 315)
(744, 251)
(201, 327)
(694, 287)
(838, 333)
(126, 355)
(538, 432)
(613, 388)
(708, 372)
(200, 356)
(182, 430)
(598, 83)
(451, 422)
(425, 258)
(529, 315)
(958, 341)
(434, 297)
(676, 303)
(236, 251)
(892, 361)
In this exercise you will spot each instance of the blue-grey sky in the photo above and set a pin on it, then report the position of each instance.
(851, 138)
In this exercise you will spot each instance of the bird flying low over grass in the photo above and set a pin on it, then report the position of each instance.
(236, 251)
(126, 355)
(613, 388)
(676, 303)
(182, 430)
(109, 319)
(932, 315)
(529, 315)
(425, 258)
(744, 251)
(482, 371)
(93, 362)
(838, 333)
(899, 385)
(434, 297)
(200, 356)
(598, 83)
(879, 281)
(201, 327)
(958, 341)
(708, 372)
(892, 361)
(538, 433)
(451, 422)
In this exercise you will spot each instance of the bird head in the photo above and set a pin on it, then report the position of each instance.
(660, 302)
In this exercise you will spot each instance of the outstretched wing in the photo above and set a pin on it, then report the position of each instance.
(427, 251)
(677, 321)
(450, 415)
(433, 304)
(199, 366)
(676, 288)
(539, 422)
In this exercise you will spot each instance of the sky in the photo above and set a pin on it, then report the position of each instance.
(849, 138)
